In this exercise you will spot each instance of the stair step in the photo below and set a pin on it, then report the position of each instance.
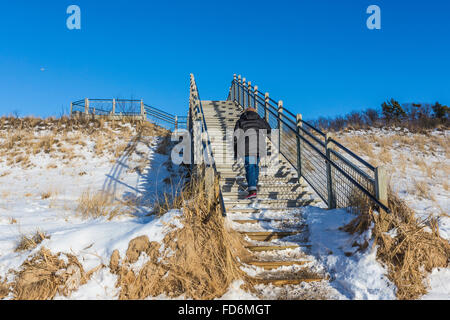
(243, 184)
(269, 174)
(222, 110)
(272, 248)
(287, 196)
(283, 178)
(272, 171)
(284, 282)
(272, 178)
(251, 210)
(234, 165)
(268, 236)
(222, 115)
(270, 265)
(243, 210)
(240, 180)
(273, 203)
(264, 189)
(256, 221)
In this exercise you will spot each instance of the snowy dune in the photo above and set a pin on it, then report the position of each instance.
(45, 197)
(419, 167)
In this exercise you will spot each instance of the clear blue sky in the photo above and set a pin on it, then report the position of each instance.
(316, 55)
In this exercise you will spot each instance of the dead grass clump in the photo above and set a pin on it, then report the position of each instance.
(164, 145)
(199, 261)
(45, 275)
(30, 242)
(67, 152)
(46, 195)
(430, 171)
(52, 166)
(99, 145)
(410, 251)
(167, 203)
(22, 159)
(101, 204)
(120, 149)
(4, 174)
(4, 289)
(402, 162)
(385, 156)
(384, 142)
(150, 129)
(361, 144)
(95, 205)
(422, 189)
(13, 140)
(420, 142)
(46, 143)
(367, 149)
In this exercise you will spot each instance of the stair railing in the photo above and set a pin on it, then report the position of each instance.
(335, 173)
(202, 154)
(117, 108)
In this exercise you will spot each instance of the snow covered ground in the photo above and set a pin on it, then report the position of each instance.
(46, 195)
(419, 167)
(330, 252)
(45, 198)
(414, 161)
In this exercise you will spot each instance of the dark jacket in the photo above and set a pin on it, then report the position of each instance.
(247, 133)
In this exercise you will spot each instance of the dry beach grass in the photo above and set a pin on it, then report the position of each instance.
(409, 247)
(199, 260)
(60, 138)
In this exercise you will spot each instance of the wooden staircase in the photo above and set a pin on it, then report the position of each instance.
(279, 189)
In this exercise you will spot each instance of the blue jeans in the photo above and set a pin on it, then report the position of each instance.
(252, 172)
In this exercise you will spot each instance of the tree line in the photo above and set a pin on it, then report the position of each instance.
(413, 116)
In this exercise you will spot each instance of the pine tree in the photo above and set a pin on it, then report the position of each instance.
(393, 111)
(440, 111)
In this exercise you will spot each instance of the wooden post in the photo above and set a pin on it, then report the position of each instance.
(280, 123)
(176, 122)
(142, 109)
(192, 132)
(114, 107)
(381, 184)
(234, 87)
(249, 94)
(255, 99)
(266, 107)
(71, 108)
(299, 149)
(86, 106)
(209, 182)
(244, 84)
(331, 197)
(239, 91)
